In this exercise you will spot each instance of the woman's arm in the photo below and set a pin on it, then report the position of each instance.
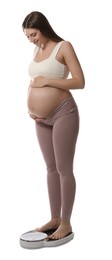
(77, 80)
(66, 84)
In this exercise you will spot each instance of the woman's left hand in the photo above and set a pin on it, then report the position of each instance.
(39, 82)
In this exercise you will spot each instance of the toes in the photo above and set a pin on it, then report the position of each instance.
(55, 237)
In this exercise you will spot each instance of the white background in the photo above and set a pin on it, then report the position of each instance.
(23, 193)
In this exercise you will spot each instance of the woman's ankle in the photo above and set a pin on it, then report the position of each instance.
(65, 222)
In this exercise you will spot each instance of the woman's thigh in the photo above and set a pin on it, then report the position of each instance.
(44, 135)
(65, 132)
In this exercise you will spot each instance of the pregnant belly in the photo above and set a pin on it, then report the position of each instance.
(42, 101)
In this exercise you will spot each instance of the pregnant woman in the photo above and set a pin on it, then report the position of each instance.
(52, 106)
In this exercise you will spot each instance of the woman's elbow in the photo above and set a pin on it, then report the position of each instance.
(81, 83)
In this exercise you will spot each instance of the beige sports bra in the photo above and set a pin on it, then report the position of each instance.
(49, 67)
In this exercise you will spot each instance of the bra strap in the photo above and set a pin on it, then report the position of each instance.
(56, 49)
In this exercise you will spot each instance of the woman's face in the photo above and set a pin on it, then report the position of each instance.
(33, 36)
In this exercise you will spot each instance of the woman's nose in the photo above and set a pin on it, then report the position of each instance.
(31, 39)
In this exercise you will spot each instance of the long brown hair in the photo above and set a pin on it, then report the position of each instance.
(36, 20)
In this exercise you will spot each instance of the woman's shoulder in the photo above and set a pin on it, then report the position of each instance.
(67, 44)
(67, 50)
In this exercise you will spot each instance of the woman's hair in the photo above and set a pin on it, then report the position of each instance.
(36, 20)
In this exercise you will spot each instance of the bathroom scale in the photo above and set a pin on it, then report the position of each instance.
(34, 239)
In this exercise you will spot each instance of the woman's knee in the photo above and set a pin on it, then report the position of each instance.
(64, 169)
(51, 168)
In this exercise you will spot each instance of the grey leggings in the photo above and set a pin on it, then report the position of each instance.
(57, 136)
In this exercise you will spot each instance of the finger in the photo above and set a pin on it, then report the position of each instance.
(32, 116)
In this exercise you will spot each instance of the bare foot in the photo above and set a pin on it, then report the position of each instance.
(52, 224)
(63, 230)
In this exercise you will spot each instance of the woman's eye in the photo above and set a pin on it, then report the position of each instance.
(32, 35)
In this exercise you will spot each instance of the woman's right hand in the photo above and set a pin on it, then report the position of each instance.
(38, 119)
(32, 116)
